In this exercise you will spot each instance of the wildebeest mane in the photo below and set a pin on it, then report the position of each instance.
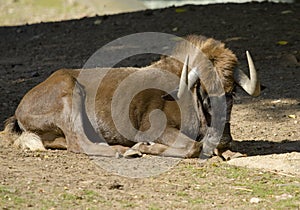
(223, 59)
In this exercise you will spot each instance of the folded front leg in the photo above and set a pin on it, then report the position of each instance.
(172, 143)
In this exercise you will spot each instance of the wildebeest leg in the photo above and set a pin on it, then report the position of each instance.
(172, 143)
(120, 149)
(79, 132)
(57, 143)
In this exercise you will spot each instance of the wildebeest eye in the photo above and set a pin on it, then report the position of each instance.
(207, 105)
(204, 98)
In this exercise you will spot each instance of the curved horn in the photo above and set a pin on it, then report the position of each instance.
(252, 85)
(184, 78)
(192, 77)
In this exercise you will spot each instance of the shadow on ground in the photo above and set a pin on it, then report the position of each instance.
(264, 147)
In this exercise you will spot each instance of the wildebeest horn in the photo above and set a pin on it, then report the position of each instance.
(192, 77)
(184, 78)
(252, 85)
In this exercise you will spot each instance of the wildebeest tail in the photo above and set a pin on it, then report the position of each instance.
(11, 131)
(11, 125)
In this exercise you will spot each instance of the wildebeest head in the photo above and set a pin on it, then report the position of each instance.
(210, 71)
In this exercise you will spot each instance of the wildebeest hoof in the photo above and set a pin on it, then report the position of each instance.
(137, 145)
(132, 153)
(118, 155)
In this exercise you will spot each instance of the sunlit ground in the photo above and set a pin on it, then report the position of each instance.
(19, 12)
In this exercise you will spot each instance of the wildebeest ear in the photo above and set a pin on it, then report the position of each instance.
(262, 87)
(172, 96)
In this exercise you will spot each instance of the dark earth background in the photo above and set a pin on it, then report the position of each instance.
(262, 126)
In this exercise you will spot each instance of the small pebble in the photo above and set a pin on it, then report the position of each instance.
(35, 74)
(254, 200)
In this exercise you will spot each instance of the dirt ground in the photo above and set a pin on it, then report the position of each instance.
(266, 125)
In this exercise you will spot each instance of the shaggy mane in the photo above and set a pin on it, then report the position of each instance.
(223, 59)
